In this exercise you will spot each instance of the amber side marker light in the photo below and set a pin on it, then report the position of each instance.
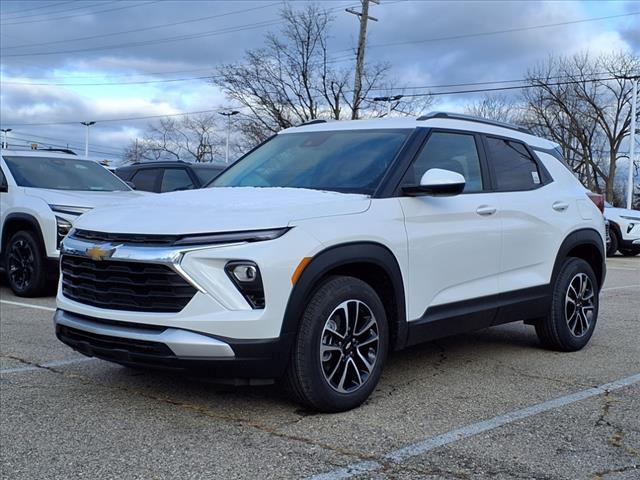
(299, 269)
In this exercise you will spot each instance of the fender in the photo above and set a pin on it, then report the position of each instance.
(343, 255)
(585, 236)
(21, 217)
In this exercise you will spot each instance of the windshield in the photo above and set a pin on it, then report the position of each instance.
(351, 161)
(63, 174)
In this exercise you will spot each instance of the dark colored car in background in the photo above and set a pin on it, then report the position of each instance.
(169, 176)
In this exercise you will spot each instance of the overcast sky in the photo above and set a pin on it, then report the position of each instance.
(44, 43)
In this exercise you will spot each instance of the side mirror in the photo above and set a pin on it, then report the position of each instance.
(438, 183)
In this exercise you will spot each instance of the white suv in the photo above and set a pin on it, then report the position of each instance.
(334, 243)
(42, 192)
(624, 230)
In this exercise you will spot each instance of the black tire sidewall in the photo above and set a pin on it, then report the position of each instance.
(37, 283)
(326, 298)
(571, 267)
(613, 247)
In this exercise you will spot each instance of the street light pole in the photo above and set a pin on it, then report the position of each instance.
(632, 140)
(86, 138)
(228, 115)
(5, 142)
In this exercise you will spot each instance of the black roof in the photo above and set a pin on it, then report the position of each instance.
(170, 163)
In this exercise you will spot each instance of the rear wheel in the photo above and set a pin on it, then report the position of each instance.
(612, 248)
(574, 308)
(341, 346)
(25, 265)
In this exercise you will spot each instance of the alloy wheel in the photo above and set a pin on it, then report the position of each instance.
(349, 346)
(579, 304)
(21, 264)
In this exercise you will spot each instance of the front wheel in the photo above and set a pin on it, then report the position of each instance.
(629, 252)
(574, 308)
(25, 265)
(612, 248)
(341, 346)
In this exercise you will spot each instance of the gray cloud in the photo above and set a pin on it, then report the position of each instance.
(482, 58)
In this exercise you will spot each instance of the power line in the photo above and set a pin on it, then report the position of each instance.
(498, 89)
(233, 29)
(238, 28)
(497, 32)
(422, 94)
(78, 144)
(63, 145)
(81, 14)
(123, 32)
(141, 82)
(20, 10)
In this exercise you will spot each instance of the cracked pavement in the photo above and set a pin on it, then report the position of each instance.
(98, 420)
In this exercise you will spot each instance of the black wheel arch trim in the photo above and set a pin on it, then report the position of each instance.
(23, 217)
(343, 255)
(577, 238)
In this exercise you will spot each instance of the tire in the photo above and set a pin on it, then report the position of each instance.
(629, 253)
(612, 248)
(568, 328)
(339, 380)
(25, 265)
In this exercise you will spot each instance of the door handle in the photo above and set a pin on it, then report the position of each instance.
(560, 206)
(485, 210)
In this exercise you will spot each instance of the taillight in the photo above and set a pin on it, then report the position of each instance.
(597, 199)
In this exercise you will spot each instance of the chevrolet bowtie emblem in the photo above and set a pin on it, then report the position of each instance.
(100, 252)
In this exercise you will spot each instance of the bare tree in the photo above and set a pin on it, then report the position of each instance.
(191, 138)
(583, 103)
(292, 80)
(494, 107)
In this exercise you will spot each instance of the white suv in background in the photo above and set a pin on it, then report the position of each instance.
(334, 243)
(42, 192)
(624, 230)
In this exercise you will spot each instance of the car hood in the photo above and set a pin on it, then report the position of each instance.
(613, 212)
(76, 198)
(221, 209)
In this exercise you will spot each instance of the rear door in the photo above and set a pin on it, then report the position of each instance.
(454, 242)
(533, 214)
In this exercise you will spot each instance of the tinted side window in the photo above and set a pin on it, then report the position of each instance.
(456, 152)
(146, 179)
(513, 166)
(175, 179)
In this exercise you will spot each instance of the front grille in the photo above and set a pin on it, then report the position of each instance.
(131, 286)
(95, 343)
(127, 238)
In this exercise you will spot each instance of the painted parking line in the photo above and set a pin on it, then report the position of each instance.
(623, 287)
(54, 364)
(28, 305)
(423, 446)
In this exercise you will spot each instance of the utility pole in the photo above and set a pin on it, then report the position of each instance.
(389, 101)
(86, 138)
(136, 154)
(5, 142)
(228, 115)
(632, 142)
(362, 40)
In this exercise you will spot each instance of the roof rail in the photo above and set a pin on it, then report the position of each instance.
(471, 118)
(312, 122)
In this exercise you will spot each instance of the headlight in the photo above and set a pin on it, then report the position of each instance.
(245, 275)
(626, 217)
(63, 227)
(69, 210)
(233, 237)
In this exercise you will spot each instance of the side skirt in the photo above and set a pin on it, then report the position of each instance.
(466, 316)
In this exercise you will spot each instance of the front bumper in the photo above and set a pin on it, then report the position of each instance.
(173, 348)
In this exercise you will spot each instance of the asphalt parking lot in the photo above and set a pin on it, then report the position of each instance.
(491, 404)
